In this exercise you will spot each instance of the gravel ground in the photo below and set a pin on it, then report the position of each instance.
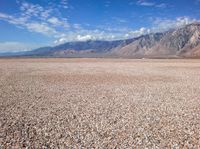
(99, 103)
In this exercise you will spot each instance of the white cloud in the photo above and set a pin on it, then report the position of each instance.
(109, 33)
(4, 16)
(42, 14)
(160, 25)
(41, 28)
(77, 26)
(15, 46)
(46, 13)
(162, 5)
(30, 10)
(60, 41)
(74, 37)
(36, 18)
(165, 24)
(85, 37)
(13, 20)
(56, 22)
(184, 21)
(147, 3)
(136, 33)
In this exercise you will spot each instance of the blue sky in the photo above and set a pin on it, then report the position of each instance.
(28, 24)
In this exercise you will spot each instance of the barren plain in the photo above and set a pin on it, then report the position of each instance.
(99, 103)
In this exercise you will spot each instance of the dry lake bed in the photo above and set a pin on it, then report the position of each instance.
(99, 103)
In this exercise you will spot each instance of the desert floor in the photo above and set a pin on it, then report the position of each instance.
(99, 103)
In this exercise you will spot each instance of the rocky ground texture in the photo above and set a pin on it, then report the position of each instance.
(99, 103)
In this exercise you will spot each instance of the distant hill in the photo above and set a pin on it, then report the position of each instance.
(182, 42)
(88, 48)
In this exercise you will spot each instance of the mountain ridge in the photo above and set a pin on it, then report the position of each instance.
(182, 42)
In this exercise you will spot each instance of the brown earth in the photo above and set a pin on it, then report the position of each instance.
(99, 103)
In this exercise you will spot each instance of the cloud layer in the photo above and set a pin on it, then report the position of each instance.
(15, 46)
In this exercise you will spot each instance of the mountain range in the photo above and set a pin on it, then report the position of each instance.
(182, 42)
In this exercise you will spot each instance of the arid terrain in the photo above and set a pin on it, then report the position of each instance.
(99, 103)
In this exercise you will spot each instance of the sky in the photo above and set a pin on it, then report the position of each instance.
(29, 24)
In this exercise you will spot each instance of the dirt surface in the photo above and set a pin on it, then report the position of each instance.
(99, 103)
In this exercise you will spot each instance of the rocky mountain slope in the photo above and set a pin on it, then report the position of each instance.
(181, 42)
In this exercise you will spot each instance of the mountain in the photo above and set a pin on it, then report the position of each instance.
(182, 42)
(79, 49)
(140, 47)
